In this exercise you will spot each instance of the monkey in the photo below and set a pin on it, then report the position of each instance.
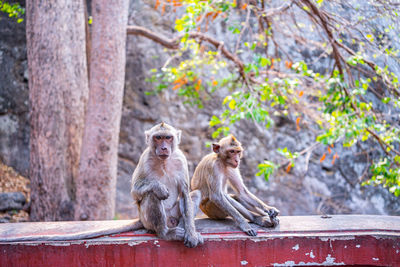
(210, 182)
(161, 189)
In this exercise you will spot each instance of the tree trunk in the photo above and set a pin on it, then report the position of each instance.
(98, 165)
(58, 91)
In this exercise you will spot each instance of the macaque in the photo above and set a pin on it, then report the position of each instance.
(210, 181)
(160, 187)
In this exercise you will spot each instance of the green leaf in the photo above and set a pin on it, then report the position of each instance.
(232, 104)
(226, 99)
(265, 61)
(214, 121)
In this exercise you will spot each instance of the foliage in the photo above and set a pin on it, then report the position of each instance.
(346, 92)
(13, 10)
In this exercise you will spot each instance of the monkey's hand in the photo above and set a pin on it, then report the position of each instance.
(245, 227)
(191, 240)
(273, 212)
(161, 191)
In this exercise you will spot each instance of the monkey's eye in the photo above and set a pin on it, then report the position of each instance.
(168, 137)
(232, 151)
(158, 137)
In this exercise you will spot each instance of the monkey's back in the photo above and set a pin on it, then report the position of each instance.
(201, 173)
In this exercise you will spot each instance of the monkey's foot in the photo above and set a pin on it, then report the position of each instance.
(265, 221)
(251, 232)
(191, 240)
(275, 221)
(248, 230)
(176, 233)
(150, 231)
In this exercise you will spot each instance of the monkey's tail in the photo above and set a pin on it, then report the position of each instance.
(58, 231)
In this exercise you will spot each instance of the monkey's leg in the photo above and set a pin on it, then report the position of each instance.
(255, 205)
(258, 206)
(243, 210)
(212, 210)
(223, 204)
(152, 215)
(192, 238)
(253, 214)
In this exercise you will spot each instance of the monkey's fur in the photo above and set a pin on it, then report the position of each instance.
(210, 181)
(160, 187)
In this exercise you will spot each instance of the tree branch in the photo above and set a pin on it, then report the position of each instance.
(174, 43)
(156, 37)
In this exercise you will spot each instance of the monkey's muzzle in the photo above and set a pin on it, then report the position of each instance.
(163, 156)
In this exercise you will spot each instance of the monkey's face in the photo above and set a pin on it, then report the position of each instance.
(233, 156)
(163, 145)
(229, 150)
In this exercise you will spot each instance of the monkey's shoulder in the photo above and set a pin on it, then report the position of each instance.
(207, 165)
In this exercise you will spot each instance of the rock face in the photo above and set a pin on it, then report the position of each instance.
(12, 201)
(14, 97)
(310, 188)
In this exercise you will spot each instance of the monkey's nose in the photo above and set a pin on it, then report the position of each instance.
(163, 148)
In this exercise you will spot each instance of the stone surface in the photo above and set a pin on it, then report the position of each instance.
(336, 225)
(12, 201)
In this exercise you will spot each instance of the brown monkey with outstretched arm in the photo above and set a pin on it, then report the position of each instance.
(160, 187)
(210, 182)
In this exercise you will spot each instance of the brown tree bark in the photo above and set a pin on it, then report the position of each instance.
(98, 165)
(58, 91)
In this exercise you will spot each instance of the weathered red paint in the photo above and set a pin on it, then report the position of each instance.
(373, 243)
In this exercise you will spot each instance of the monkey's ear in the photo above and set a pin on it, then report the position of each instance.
(178, 136)
(147, 134)
(216, 148)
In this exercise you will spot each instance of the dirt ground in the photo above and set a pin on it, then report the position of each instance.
(11, 181)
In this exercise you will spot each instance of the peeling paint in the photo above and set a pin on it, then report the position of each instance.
(331, 260)
(334, 238)
(27, 244)
(302, 263)
(135, 243)
(311, 254)
(358, 246)
(296, 247)
(375, 259)
(243, 262)
(101, 243)
(287, 263)
(61, 244)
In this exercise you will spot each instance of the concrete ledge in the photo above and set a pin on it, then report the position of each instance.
(299, 240)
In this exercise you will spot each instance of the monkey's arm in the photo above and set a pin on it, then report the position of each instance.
(251, 201)
(220, 199)
(142, 186)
